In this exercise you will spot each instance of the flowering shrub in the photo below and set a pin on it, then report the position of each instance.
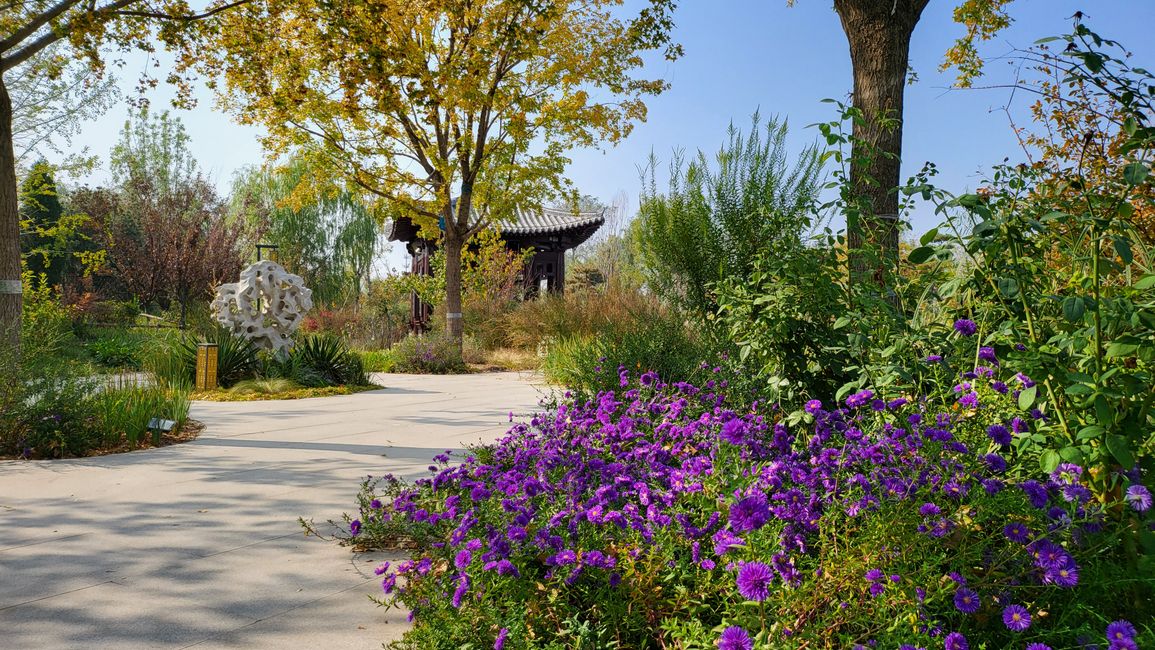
(432, 353)
(657, 517)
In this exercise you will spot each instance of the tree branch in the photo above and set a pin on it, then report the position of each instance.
(38, 21)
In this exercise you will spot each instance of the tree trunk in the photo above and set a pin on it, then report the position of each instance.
(454, 323)
(11, 299)
(878, 32)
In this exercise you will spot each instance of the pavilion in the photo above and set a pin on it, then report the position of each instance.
(548, 232)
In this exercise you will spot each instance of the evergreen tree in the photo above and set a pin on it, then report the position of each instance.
(40, 215)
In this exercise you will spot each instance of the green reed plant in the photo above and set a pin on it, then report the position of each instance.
(125, 409)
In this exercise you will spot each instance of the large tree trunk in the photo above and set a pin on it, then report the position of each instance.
(11, 299)
(879, 35)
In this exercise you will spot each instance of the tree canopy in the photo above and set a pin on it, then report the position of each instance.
(450, 112)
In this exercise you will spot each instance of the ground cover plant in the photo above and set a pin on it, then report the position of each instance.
(654, 516)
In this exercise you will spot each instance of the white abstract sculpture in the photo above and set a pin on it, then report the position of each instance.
(266, 306)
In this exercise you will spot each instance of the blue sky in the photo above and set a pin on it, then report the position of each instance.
(743, 55)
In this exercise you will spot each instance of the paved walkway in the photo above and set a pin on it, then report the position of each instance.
(197, 545)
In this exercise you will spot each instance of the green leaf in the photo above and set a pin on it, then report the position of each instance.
(1049, 461)
(1145, 282)
(842, 321)
(1073, 308)
(920, 255)
(1103, 411)
(1009, 287)
(1120, 349)
(1079, 389)
(1027, 397)
(1090, 433)
(928, 237)
(1072, 455)
(1120, 449)
(1135, 173)
(1093, 60)
(1123, 248)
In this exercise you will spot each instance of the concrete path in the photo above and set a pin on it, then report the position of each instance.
(197, 545)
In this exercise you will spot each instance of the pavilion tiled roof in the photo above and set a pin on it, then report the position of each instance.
(546, 221)
(551, 220)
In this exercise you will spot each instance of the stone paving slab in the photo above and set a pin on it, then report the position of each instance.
(198, 546)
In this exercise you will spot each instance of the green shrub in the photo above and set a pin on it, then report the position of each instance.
(324, 360)
(116, 349)
(782, 320)
(653, 343)
(554, 317)
(377, 360)
(433, 353)
(49, 415)
(721, 212)
(45, 398)
(173, 362)
(167, 362)
(124, 411)
(264, 386)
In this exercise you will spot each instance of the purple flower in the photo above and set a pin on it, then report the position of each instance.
(750, 513)
(1066, 575)
(499, 642)
(965, 326)
(970, 400)
(1120, 631)
(995, 463)
(375, 504)
(929, 510)
(1017, 532)
(563, 558)
(858, 399)
(988, 354)
(812, 407)
(734, 431)
(1036, 493)
(992, 486)
(754, 579)
(875, 575)
(1016, 618)
(735, 638)
(999, 434)
(355, 527)
(955, 641)
(933, 358)
(459, 593)
(1038, 646)
(462, 560)
(966, 601)
(1139, 497)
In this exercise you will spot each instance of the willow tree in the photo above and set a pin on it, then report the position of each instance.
(48, 35)
(450, 112)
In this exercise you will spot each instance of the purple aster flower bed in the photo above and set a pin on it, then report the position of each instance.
(658, 517)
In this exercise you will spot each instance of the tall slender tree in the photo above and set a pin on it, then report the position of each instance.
(879, 33)
(450, 112)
